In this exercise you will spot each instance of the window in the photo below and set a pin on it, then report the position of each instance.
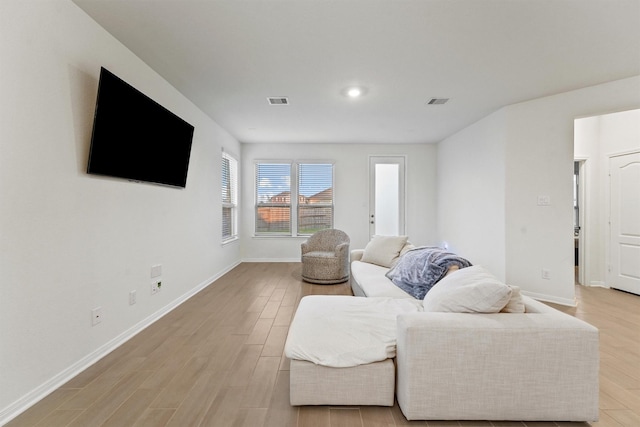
(273, 198)
(283, 188)
(229, 197)
(315, 207)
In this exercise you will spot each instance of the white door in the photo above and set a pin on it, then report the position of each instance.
(386, 205)
(624, 246)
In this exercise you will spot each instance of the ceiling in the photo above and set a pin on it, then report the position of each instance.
(228, 56)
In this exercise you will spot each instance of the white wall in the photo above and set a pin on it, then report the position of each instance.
(541, 139)
(351, 192)
(538, 161)
(69, 241)
(471, 193)
(596, 139)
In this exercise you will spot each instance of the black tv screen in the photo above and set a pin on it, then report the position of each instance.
(136, 138)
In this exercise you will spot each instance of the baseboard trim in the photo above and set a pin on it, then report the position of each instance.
(271, 260)
(42, 391)
(553, 299)
(597, 284)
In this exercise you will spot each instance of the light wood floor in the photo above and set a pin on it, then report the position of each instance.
(217, 361)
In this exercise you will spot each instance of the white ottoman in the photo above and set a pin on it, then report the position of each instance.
(370, 384)
(341, 350)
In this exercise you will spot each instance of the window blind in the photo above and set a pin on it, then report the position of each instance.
(315, 200)
(229, 197)
(273, 198)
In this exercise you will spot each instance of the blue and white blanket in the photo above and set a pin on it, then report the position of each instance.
(420, 268)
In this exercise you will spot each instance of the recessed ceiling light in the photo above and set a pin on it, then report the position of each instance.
(354, 91)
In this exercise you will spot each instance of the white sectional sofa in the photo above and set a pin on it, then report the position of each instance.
(541, 365)
(466, 353)
(369, 280)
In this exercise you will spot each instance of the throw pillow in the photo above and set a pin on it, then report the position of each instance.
(406, 248)
(382, 250)
(516, 303)
(468, 290)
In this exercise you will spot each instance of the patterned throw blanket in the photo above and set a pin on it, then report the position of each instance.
(420, 268)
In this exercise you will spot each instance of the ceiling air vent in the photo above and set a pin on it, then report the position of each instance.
(278, 100)
(437, 101)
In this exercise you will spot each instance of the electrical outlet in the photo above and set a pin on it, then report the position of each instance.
(96, 316)
(156, 285)
(132, 297)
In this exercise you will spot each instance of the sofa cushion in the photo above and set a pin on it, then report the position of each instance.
(343, 331)
(371, 280)
(383, 250)
(468, 290)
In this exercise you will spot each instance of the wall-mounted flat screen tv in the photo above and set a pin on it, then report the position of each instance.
(136, 138)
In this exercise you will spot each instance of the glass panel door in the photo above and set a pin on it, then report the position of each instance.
(386, 181)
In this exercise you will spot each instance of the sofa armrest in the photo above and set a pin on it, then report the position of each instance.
(529, 366)
(356, 254)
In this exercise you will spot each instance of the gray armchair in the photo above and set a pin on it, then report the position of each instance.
(325, 257)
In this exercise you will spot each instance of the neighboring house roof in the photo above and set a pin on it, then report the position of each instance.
(321, 197)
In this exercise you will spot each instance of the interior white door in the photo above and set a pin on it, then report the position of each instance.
(387, 190)
(624, 246)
